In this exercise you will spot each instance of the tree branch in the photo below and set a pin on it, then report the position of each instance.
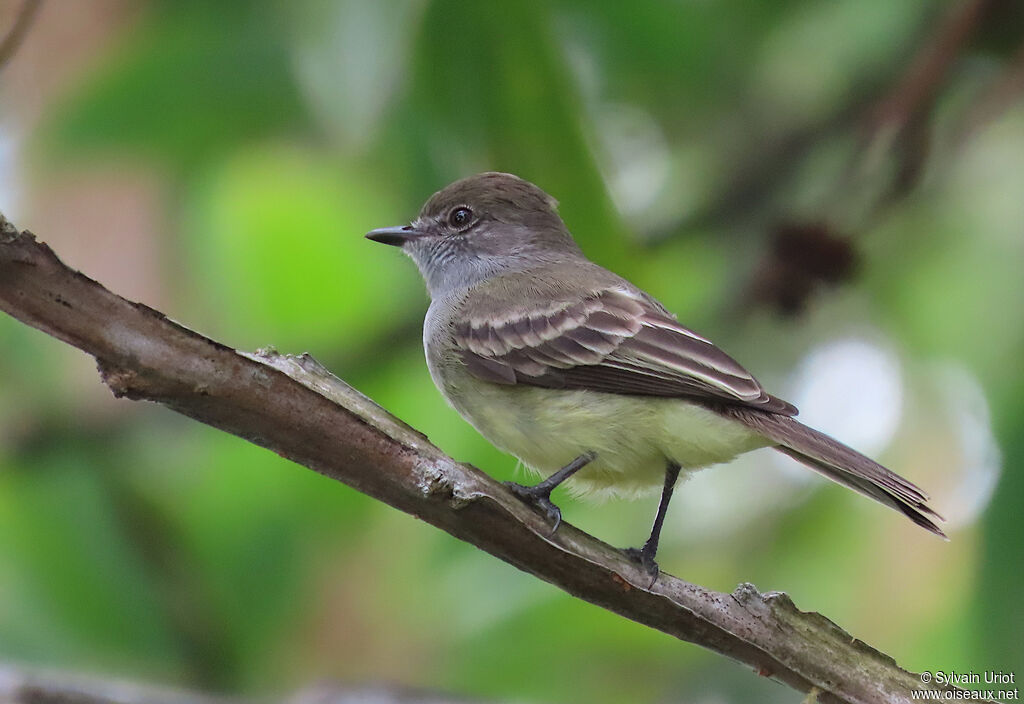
(296, 408)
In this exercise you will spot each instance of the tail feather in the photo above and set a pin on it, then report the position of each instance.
(841, 464)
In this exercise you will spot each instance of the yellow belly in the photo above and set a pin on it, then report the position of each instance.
(634, 437)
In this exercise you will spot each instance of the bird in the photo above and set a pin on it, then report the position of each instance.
(586, 378)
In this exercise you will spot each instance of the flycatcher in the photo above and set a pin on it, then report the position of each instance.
(583, 376)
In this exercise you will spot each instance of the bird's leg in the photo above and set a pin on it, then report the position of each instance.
(645, 555)
(540, 494)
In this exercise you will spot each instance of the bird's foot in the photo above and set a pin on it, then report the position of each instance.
(645, 557)
(539, 496)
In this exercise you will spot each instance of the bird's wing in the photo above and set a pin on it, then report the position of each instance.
(616, 341)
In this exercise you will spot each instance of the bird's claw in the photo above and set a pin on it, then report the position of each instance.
(540, 499)
(645, 557)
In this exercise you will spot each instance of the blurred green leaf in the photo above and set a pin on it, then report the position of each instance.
(348, 93)
(85, 597)
(194, 81)
(275, 239)
(997, 621)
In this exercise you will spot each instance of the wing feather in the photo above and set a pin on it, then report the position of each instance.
(615, 341)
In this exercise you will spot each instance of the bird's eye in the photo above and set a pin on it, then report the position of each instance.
(460, 217)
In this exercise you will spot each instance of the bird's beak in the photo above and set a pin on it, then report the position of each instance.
(395, 236)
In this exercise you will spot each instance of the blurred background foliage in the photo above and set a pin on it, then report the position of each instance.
(831, 190)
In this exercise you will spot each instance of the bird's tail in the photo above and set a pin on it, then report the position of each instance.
(842, 464)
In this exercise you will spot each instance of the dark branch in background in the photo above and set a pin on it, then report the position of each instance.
(894, 129)
(887, 164)
(868, 108)
(16, 34)
(20, 685)
(899, 123)
(919, 85)
(296, 408)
